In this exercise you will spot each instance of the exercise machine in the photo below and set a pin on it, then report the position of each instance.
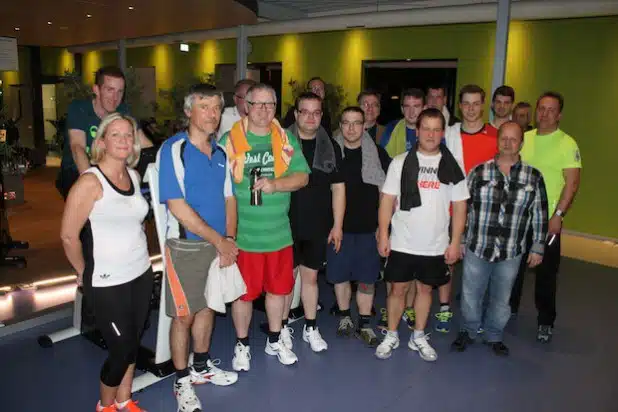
(7, 244)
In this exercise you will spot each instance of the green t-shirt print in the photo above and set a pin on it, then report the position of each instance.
(265, 228)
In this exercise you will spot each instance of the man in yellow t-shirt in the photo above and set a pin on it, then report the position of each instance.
(557, 156)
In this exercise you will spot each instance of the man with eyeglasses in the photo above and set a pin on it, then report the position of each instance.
(233, 114)
(267, 164)
(317, 86)
(357, 260)
(316, 213)
(369, 101)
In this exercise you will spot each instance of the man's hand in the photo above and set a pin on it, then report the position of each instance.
(452, 254)
(227, 248)
(555, 225)
(226, 260)
(384, 245)
(534, 259)
(265, 185)
(335, 237)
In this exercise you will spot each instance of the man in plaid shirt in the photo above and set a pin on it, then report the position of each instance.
(507, 199)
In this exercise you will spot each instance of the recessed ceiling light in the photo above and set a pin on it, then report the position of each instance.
(17, 29)
(49, 22)
(131, 8)
(88, 15)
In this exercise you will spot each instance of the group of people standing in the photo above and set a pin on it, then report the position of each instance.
(407, 201)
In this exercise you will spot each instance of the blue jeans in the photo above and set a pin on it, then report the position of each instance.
(477, 275)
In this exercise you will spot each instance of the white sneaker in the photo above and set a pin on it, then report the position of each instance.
(285, 355)
(286, 337)
(242, 357)
(314, 339)
(424, 349)
(186, 397)
(213, 375)
(388, 345)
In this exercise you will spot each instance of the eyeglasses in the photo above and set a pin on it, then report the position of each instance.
(307, 113)
(239, 96)
(356, 123)
(263, 105)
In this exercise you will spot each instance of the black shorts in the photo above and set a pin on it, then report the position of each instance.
(429, 270)
(310, 253)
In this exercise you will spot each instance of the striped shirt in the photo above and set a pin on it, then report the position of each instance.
(502, 209)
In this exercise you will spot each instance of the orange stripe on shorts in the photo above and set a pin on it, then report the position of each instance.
(178, 294)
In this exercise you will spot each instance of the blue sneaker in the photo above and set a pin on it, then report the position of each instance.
(444, 321)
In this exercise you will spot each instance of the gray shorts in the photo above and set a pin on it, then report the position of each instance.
(187, 265)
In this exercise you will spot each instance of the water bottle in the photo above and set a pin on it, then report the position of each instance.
(256, 195)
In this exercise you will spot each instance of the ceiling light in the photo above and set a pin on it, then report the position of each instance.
(88, 15)
(131, 8)
(184, 47)
(49, 23)
(16, 28)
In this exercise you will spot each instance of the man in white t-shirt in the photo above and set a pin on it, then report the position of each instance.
(420, 187)
(233, 114)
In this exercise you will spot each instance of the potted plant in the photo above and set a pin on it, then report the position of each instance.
(334, 99)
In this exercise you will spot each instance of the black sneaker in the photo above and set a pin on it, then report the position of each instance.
(544, 333)
(345, 327)
(500, 348)
(461, 343)
(368, 336)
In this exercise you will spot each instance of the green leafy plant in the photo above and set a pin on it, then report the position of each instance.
(75, 88)
(172, 107)
(334, 100)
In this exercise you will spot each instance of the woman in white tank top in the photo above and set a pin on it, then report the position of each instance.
(104, 239)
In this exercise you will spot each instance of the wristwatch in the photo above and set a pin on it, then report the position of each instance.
(560, 213)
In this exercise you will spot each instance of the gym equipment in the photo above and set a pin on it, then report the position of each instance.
(6, 241)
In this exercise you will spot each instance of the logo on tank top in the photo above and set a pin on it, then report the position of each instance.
(104, 276)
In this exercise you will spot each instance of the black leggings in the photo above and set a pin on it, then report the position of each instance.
(120, 315)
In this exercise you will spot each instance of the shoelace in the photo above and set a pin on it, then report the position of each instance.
(289, 330)
(422, 342)
(444, 316)
(244, 350)
(345, 323)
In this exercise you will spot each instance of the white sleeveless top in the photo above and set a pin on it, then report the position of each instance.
(115, 248)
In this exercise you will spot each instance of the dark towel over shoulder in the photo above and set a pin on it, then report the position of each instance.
(448, 172)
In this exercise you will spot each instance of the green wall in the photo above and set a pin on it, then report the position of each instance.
(337, 56)
(576, 57)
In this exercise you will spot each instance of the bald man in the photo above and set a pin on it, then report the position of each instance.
(507, 199)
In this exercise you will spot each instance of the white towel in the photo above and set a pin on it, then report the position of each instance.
(223, 285)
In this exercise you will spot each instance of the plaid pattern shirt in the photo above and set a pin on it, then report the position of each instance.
(502, 209)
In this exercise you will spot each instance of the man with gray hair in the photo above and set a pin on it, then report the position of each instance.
(267, 164)
(195, 185)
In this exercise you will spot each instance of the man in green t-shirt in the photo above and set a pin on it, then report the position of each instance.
(557, 156)
(258, 144)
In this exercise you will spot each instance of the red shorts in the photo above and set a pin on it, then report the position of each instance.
(271, 272)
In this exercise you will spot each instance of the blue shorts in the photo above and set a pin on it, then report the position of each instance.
(358, 259)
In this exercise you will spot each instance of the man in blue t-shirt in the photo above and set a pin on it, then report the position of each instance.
(83, 119)
(195, 184)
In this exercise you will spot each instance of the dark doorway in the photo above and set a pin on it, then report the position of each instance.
(389, 78)
(269, 73)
